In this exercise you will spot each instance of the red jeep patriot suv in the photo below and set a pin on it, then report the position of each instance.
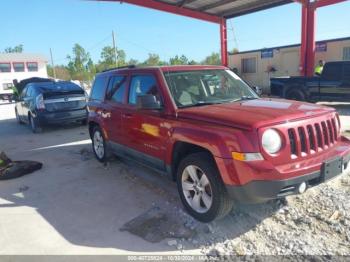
(214, 136)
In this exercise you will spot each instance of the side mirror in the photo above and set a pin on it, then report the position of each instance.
(258, 90)
(148, 102)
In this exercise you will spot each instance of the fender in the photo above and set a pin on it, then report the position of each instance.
(220, 142)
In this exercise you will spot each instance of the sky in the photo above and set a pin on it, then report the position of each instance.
(58, 24)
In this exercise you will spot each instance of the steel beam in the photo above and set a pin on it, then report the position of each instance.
(174, 9)
(322, 3)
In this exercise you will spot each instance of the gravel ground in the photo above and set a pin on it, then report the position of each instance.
(81, 211)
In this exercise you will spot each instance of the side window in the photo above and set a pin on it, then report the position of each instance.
(98, 89)
(29, 91)
(5, 67)
(32, 66)
(249, 65)
(24, 91)
(332, 72)
(116, 89)
(143, 85)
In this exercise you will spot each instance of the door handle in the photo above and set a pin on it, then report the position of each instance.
(127, 115)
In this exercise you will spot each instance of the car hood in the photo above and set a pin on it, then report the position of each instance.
(252, 114)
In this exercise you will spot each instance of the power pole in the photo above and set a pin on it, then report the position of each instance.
(53, 65)
(115, 50)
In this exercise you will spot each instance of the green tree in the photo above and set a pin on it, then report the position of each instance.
(78, 63)
(61, 72)
(16, 49)
(108, 58)
(133, 62)
(153, 60)
(182, 60)
(235, 50)
(213, 59)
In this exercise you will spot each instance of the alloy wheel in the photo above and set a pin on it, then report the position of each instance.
(197, 189)
(99, 144)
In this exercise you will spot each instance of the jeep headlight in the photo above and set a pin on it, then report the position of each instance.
(271, 141)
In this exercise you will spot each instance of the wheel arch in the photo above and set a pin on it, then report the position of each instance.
(301, 88)
(182, 149)
(92, 125)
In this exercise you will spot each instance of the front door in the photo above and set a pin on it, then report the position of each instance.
(145, 133)
(114, 103)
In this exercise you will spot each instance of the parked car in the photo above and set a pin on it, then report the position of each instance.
(42, 103)
(332, 85)
(6, 92)
(211, 133)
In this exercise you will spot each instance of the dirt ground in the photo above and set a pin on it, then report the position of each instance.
(76, 205)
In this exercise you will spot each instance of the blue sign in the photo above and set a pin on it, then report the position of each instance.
(321, 47)
(267, 53)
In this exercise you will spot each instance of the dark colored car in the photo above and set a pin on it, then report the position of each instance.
(42, 103)
(207, 129)
(332, 85)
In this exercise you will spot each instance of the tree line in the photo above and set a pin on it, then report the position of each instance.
(81, 67)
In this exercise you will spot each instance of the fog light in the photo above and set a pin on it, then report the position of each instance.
(302, 188)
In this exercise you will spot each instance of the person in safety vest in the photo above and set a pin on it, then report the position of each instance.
(319, 68)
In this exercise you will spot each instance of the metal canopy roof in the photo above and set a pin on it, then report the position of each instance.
(227, 8)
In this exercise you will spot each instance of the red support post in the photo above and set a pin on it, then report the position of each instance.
(302, 66)
(223, 40)
(311, 46)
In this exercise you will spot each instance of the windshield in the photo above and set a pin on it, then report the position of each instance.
(203, 87)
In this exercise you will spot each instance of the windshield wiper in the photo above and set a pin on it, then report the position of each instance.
(242, 98)
(202, 103)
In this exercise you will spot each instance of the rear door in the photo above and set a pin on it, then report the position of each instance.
(28, 101)
(331, 82)
(114, 103)
(20, 103)
(145, 133)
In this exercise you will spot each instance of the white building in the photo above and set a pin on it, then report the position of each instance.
(20, 66)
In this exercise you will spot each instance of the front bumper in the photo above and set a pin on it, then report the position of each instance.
(263, 191)
(257, 182)
(61, 117)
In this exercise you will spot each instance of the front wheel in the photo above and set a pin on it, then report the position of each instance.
(201, 190)
(296, 94)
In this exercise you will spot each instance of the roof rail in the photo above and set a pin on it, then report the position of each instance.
(120, 67)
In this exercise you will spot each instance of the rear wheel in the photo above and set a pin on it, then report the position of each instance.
(99, 145)
(296, 94)
(34, 125)
(201, 190)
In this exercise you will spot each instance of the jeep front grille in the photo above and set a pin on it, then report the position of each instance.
(312, 138)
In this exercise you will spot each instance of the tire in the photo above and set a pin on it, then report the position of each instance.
(99, 145)
(201, 178)
(34, 125)
(295, 94)
(19, 121)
